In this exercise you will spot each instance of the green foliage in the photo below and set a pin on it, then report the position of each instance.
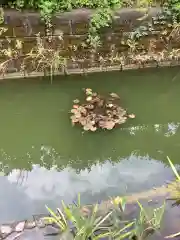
(101, 18)
(172, 8)
(103, 13)
(149, 221)
(174, 169)
(175, 186)
(84, 227)
(89, 225)
(65, 5)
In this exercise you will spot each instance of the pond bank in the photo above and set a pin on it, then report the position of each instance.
(27, 227)
(18, 75)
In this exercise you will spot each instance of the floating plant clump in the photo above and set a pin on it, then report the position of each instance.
(98, 112)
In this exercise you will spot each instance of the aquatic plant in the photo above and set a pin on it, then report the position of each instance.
(84, 223)
(98, 112)
(148, 222)
(175, 193)
(90, 223)
(81, 226)
(174, 186)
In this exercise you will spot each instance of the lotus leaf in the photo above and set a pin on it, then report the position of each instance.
(131, 115)
(76, 106)
(74, 110)
(77, 115)
(121, 120)
(114, 95)
(94, 94)
(76, 101)
(88, 91)
(109, 125)
(86, 128)
(74, 119)
(90, 106)
(110, 105)
(101, 124)
(83, 121)
(120, 112)
(82, 110)
(99, 112)
(93, 129)
(89, 98)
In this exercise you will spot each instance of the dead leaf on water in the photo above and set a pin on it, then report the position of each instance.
(98, 112)
(114, 95)
(76, 101)
(131, 115)
(88, 91)
(93, 129)
(74, 110)
(109, 125)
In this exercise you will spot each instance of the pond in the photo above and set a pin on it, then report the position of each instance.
(43, 159)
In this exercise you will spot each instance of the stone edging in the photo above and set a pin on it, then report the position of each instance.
(17, 75)
(16, 229)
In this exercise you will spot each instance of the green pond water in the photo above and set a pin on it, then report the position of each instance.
(44, 159)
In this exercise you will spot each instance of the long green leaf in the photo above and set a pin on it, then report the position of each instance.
(173, 235)
(93, 216)
(174, 169)
(62, 216)
(95, 210)
(49, 219)
(123, 203)
(56, 219)
(81, 231)
(79, 200)
(159, 212)
(98, 219)
(142, 211)
(98, 224)
(124, 228)
(103, 235)
(124, 236)
(68, 212)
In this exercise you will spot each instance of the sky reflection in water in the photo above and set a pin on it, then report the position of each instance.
(26, 192)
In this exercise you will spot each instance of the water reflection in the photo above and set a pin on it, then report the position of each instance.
(46, 177)
(172, 129)
(42, 183)
(48, 156)
(167, 130)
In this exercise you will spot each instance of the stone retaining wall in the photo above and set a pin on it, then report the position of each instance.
(74, 25)
(27, 24)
